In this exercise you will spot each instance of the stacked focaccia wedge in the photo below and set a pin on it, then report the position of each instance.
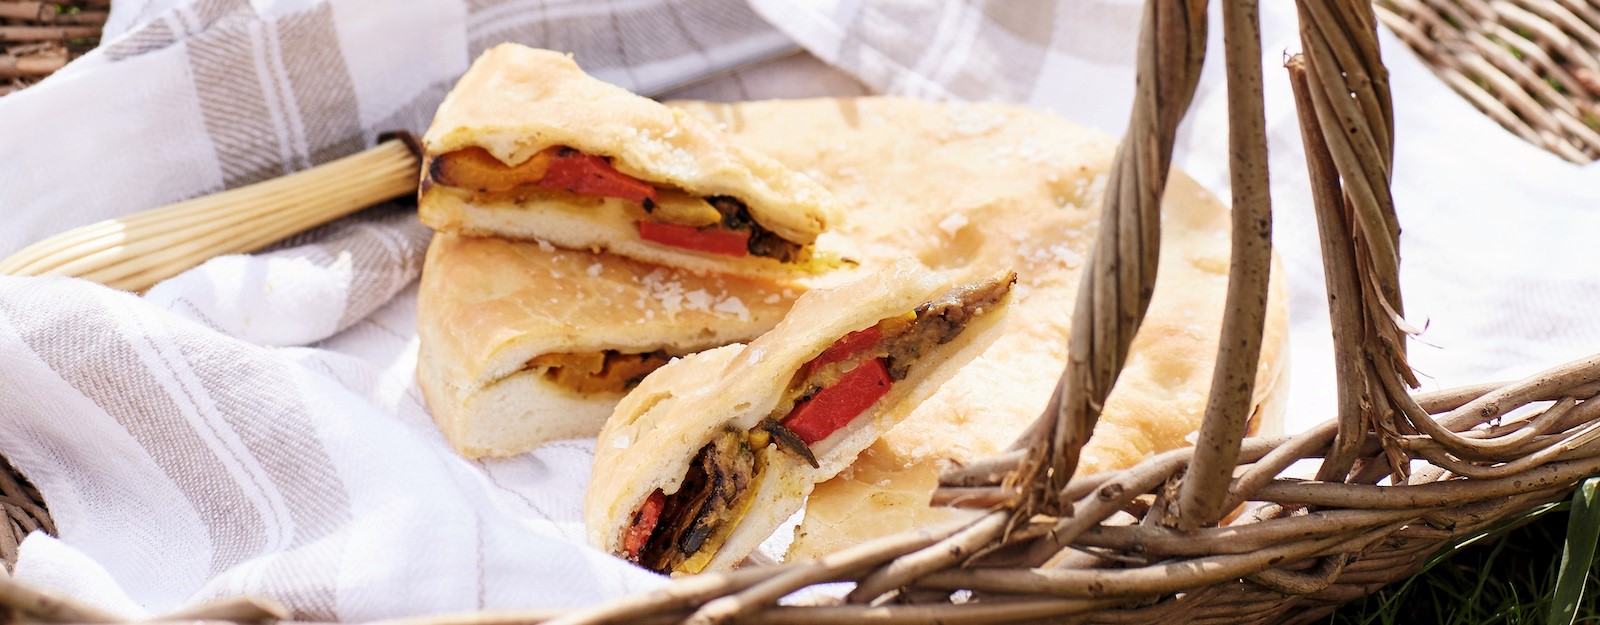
(528, 146)
(586, 237)
(522, 343)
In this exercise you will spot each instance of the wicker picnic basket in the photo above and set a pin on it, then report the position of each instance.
(1208, 534)
(38, 38)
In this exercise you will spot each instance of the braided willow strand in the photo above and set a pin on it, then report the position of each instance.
(1461, 409)
(1120, 278)
(1204, 491)
(25, 602)
(1352, 373)
(1349, 93)
(1347, 87)
(1148, 581)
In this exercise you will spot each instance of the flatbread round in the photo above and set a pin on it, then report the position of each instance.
(974, 188)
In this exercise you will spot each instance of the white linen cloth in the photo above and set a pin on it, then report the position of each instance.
(252, 426)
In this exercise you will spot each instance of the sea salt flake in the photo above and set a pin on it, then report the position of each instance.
(968, 121)
(666, 289)
(594, 270)
(733, 305)
(697, 299)
(1098, 185)
(1065, 256)
(545, 246)
(953, 223)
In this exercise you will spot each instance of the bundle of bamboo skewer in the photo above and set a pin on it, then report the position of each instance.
(37, 38)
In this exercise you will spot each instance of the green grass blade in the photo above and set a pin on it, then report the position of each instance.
(1583, 528)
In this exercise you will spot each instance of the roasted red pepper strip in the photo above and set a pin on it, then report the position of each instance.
(846, 347)
(644, 524)
(836, 406)
(714, 241)
(571, 170)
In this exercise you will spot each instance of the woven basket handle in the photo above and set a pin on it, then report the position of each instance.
(1202, 498)
(1120, 277)
(1119, 281)
(1347, 123)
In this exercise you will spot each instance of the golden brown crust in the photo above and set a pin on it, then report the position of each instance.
(515, 101)
(972, 188)
(485, 307)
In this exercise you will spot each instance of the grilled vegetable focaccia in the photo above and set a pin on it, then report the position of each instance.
(996, 187)
(711, 453)
(528, 146)
(522, 343)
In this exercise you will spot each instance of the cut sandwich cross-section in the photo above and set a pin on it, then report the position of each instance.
(715, 225)
(528, 146)
(521, 343)
(827, 411)
(558, 168)
(607, 371)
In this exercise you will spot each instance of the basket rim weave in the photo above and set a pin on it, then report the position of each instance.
(39, 37)
(1533, 66)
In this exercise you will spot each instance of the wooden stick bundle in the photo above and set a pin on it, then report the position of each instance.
(31, 66)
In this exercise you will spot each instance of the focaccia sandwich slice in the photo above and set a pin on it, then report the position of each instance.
(524, 343)
(711, 453)
(529, 146)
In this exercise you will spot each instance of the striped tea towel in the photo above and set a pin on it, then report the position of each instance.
(252, 426)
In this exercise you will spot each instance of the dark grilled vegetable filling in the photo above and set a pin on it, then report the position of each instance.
(681, 532)
(696, 520)
(762, 242)
(715, 224)
(606, 371)
(894, 344)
